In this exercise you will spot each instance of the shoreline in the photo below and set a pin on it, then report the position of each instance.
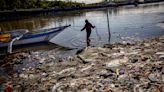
(115, 67)
(16, 14)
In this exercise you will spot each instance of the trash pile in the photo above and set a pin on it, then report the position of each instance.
(137, 67)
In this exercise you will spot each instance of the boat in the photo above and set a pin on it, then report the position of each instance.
(23, 36)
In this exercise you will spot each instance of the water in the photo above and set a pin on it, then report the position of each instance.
(126, 23)
(85, 1)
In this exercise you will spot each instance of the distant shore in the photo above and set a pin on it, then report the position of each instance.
(17, 13)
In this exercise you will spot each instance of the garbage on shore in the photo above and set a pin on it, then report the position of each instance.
(137, 67)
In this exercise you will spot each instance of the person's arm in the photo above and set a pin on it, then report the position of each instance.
(92, 25)
(83, 28)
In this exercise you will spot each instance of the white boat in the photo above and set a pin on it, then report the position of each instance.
(22, 37)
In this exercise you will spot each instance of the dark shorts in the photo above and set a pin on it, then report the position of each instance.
(88, 34)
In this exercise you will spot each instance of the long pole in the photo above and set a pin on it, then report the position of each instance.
(108, 26)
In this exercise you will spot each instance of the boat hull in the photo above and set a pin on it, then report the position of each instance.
(36, 38)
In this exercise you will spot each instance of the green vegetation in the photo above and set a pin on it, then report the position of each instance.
(31, 4)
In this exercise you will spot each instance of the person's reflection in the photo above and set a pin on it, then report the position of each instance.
(88, 26)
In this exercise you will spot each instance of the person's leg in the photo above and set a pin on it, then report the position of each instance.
(88, 42)
(88, 34)
(88, 37)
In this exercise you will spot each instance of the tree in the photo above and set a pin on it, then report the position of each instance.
(27, 4)
(2, 4)
(38, 3)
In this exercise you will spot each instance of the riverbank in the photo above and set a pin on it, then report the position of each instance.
(120, 67)
(19, 13)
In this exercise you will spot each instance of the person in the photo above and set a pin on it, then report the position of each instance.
(88, 26)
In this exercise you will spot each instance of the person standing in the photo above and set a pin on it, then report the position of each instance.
(88, 26)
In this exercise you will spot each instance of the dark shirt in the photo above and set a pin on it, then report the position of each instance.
(88, 27)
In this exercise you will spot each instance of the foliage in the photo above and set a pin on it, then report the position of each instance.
(30, 4)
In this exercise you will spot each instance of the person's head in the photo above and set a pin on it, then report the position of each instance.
(86, 21)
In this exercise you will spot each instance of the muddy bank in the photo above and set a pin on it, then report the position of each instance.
(126, 67)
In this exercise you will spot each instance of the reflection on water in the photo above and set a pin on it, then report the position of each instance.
(108, 26)
(35, 23)
(126, 23)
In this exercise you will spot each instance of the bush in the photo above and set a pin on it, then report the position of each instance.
(29, 4)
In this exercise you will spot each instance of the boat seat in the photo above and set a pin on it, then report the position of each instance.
(5, 37)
